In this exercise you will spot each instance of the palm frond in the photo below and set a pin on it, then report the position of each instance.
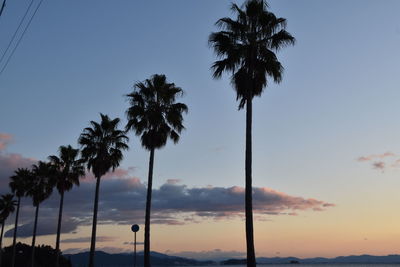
(153, 113)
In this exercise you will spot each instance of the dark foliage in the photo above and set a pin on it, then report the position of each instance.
(44, 256)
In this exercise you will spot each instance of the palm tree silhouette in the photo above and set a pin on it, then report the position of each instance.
(154, 116)
(18, 184)
(102, 146)
(40, 188)
(7, 206)
(246, 48)
(68, 171)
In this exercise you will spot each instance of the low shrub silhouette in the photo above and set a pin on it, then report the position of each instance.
(45, 256)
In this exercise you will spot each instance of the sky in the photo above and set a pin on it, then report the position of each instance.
(325, 140)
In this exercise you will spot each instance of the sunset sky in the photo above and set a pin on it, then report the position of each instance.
(326, 141)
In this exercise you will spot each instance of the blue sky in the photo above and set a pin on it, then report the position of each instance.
(338, 99)
(79, 59)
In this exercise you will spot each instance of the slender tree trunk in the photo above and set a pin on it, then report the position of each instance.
(148, 208)
(60, 210)
(251, 258)
(34, 236)
(1, 241)
(94, 225)
(15, 233)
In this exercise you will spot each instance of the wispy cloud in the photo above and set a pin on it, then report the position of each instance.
(5, 139)
(382, 161)
(376, 156)
(88, 238)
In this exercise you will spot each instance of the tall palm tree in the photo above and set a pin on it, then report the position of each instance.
(18, 184)
(68, 171)
(154, 116)
(7, 206)
(246, 47)
(40, 188)
(102, 146)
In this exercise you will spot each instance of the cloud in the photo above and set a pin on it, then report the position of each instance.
(376, 156)
(46, 226)
(122, 201)
(379, 165)
(87, 239)
(132, 243)
(216, 254)
(173, 181)
(381, 161)
(9, 162)
(5, 139)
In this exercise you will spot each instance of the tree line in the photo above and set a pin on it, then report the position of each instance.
(245, 47)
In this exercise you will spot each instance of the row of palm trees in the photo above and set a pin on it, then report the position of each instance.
(60, 172)
(154, 115)
(245, 48)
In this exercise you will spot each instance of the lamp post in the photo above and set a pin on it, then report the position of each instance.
(134, 229)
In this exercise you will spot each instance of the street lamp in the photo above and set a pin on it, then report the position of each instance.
(134, 229)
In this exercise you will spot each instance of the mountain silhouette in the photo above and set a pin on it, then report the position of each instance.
(103, 259)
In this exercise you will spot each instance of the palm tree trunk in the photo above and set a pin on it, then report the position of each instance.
(94, 225)
(60, 210)
(251, 258)
(148, 208)
(1, 240)
(34, 236)
(15, 234)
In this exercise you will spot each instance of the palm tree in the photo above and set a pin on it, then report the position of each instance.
(7, 206)
(246, 47)
(69, 169)
(40, 188)
(18, 185)
(102, 146)
(154, 116)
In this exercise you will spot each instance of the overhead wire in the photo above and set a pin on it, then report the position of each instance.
(16, 31)
(20, 38)
(2, 7)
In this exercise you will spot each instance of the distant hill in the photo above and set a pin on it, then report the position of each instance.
(103, 259)
(363, 259)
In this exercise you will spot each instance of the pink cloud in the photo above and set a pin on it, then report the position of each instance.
(381, 161)
(118, 173)
(9, 162)
(5, 139)
(376, 156)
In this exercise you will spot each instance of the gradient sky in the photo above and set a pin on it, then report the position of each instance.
(338, 102)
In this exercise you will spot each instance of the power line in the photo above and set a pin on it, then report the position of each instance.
(16, 31)
(20, 38)
(2, 7)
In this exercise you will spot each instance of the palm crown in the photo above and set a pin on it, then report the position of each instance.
(41, 182)
(246, 48)
(102, 145)
(153, 113)
(7, 206)
(68, 167)
(19, 181)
